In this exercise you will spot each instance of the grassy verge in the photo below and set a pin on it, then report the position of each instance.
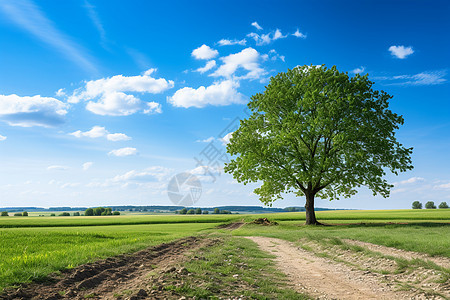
(32, 253)
(234, 267)
(429, 238)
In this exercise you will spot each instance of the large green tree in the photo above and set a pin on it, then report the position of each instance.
(317, 132)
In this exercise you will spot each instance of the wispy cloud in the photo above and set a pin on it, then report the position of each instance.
(29, 17)
(226, 42)
(256, 25)
(127, 151)
(92, 14)
(423, 78)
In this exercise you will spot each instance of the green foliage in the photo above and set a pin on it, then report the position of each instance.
(317, 131)
(183, 211)
(25, 214)
(4, 214)
(205, 212)
(76, 214)
(198, 211)
(98, 211)
(116, 213)
(52, 215)
(17, 214)
(443, 205)
(416, 205)
(89, 212)
(64, 214)
(430, 205)
(191, 212)
(216, 211)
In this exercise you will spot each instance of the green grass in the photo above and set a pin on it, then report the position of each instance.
(430, 238)
(32, 253)
(231, 268)
(32, 247)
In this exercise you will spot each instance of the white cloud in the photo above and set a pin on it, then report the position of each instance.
(209, 65)
(260, 40)
(217, 94)
(92, 13)
(32, 111)
(57, 168)
(110, 94)
(156, 173)
(247, 59)
(424, 78)
(410, 180)
(98, 131)
(358, 70)
(87, 165)
(256, 25)
(2, 138)
(115, 137)
(70, 185)
(204, 52)
(278, 35)
(443, 186)
(273, 55)
(226, 139)
(401, 51)
(153, 108)
(226, 42)
(208, 140)
(60, 93)
(299, 34)
(30, 18)
(127, 151)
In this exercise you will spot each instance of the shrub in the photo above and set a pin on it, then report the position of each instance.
(76, 214)
(183, 211)
(216, 210)
(98, 211)
(191, 212)
(4, 214)
(64, 214)
(198, 211)
(443, 205)
(416, 205)
(430, 205)
(205, 212)
(52, 215)
(116, 213)
(25, 214)
(89, 212)
(17, 214)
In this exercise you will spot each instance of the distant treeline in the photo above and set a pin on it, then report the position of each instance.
(166, 209)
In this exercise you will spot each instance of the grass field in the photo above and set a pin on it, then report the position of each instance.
(33, 247)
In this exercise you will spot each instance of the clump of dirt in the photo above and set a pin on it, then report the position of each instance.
(264, 222)
(231, 226)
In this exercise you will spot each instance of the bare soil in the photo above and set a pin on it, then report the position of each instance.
(121, 277)
(327, 271)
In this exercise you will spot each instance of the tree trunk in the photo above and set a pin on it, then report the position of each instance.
(310, 213)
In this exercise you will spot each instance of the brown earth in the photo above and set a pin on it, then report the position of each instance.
(231, 226)
(121, 277)
(327, 271)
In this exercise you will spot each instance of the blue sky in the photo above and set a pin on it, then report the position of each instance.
(103, 102)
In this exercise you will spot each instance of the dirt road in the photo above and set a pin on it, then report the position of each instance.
(343, 275)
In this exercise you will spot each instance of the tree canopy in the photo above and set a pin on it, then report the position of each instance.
(315, 131)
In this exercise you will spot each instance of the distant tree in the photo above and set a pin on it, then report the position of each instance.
(116, 213)
(191, 212)
(52, 215)
(98, 211)
(25, 214)
(205, 212)
(4, 214)
(416, 205)
(89, 212)
(183, 211)
(430, 205)
(177, 212)
(17, 214)
(64, 214)
(317, 132)
(216, 210)
(291, 209)
(76, 214)
(443, 205)
(198, 211)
